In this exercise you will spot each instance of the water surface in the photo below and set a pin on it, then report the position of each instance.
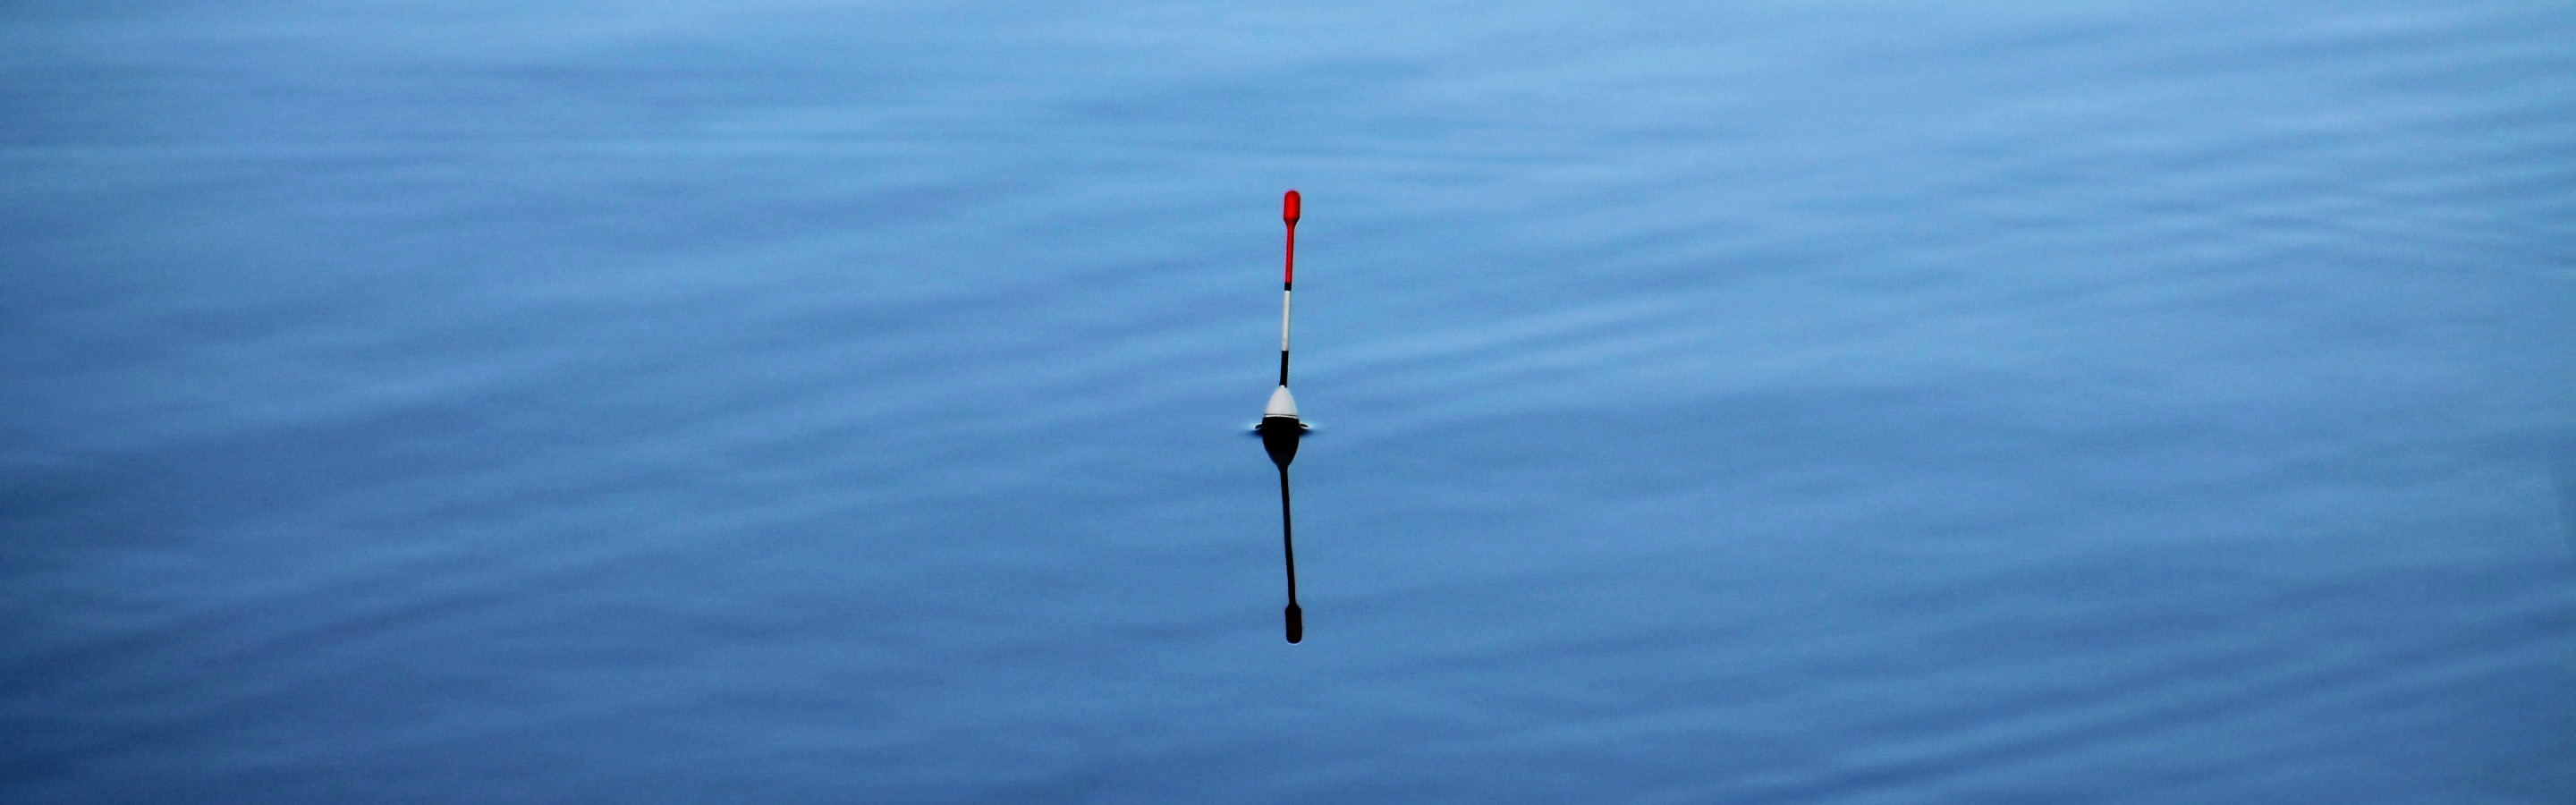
(801, 402)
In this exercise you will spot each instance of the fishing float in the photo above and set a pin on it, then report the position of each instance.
(1280, 428)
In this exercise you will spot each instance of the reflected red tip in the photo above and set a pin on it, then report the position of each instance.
(1288, 208)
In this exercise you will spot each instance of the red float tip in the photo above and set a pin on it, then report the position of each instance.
(1288, 208)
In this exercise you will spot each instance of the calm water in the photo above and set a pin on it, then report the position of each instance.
(803, 402)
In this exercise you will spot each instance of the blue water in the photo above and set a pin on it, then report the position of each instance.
(1846, 402)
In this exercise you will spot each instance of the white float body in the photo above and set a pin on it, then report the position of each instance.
(1281, 404)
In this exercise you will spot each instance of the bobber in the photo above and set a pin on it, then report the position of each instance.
(1280, 428)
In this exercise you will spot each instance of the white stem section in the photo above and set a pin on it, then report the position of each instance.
(1283, 321)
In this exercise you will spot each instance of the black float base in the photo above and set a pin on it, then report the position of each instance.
(1279, 436)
